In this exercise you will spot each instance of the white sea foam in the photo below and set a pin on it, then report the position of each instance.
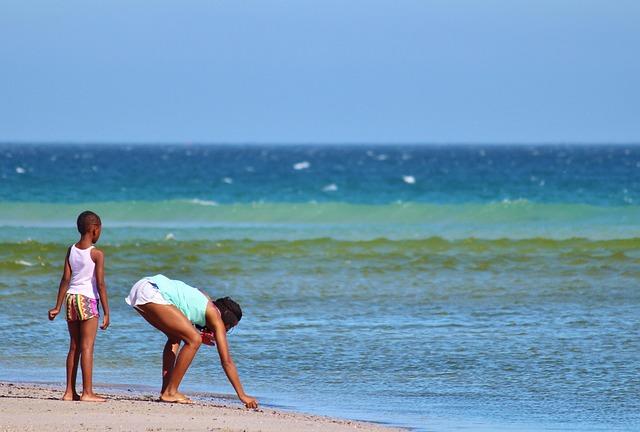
(227, 180)
(301, 165)
(24, 263)
(20, 170)
(409, 179)
(203, 202)
(515, 201)
(170, 236)
(330, 188)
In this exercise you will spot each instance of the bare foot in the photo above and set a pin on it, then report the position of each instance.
(71, 397)
(176, 397)
(91, 398)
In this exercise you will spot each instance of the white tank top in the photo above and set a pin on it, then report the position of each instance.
(83, 276)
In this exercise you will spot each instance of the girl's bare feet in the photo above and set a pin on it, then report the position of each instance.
(71, 397)
(91, 398)
(176, 397)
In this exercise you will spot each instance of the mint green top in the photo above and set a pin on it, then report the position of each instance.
(191, 301)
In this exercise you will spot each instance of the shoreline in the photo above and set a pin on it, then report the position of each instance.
(37, 407)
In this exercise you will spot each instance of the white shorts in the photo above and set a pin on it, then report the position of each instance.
(144, 292)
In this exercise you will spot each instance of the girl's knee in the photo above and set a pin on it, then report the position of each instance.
(87, 346)
(194, 340)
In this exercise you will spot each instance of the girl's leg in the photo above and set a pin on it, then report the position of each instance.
(169, 320)
(169, 361)
(88, 330)
(73, 358)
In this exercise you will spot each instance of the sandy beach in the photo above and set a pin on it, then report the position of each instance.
(31, 407)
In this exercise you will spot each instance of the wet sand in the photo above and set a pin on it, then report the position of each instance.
(34, 407)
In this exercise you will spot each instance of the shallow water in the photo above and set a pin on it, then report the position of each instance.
(476, 297)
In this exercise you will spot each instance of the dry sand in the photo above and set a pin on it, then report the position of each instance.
(31, 407)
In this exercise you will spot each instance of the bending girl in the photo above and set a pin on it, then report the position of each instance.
(173, 307)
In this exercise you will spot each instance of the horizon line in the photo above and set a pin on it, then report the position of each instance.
(321, 143)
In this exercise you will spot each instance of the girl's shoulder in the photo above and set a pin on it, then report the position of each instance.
(96, 254)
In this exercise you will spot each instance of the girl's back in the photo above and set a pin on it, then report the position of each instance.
(83, 277)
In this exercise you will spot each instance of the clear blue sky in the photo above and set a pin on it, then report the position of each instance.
(320, 71)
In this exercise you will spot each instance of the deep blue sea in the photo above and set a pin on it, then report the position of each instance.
(440, 288)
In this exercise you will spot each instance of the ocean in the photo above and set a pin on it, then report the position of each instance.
(435, 287)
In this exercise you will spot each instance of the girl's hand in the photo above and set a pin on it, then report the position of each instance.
(249, 402)
(208, 338)
(52, 313)
(105, 322)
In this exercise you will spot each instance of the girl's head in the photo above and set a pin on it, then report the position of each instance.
(230, 312)
(89, 223)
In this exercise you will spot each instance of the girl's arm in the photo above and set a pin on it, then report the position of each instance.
(98, 258)
(62, 289)
(215, 322)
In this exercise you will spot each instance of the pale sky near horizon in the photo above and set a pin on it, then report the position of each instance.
(320, 71)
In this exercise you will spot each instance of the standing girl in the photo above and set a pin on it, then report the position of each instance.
(81, 287)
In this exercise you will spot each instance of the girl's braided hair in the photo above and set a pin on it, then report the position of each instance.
(229, 310)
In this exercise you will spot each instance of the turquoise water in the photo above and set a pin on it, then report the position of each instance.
(483, 295)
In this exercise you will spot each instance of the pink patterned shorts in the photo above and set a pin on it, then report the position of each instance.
(81, 308)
